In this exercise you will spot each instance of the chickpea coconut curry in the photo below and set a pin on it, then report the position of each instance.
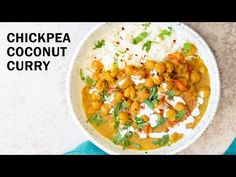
(147, 90)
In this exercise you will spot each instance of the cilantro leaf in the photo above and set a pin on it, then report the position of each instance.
(165, 32)
(179, 115)
(81, 75)
(153, 98)
(162, 141)
(186, 48)
(140, 122)
(87, 79)
(171, 94)
(90, 81)
(160, 121)
(146, 25)
(147, 46)
(139, 38)
(122, 140)
(97, 118)
(118, 107)
(99, 44)
(105, 93)
(116, 63)
(149, 103)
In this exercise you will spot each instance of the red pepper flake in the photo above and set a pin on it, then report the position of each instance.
(162, 98)
(127, 49)
(190, 68)
(118, 43)
(111, 90)
(161, 111)
(142, 106)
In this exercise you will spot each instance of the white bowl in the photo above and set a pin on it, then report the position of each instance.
(82, 58)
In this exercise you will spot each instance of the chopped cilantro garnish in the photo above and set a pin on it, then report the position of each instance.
(146, 25)
(162, 141)
(140, 37)
(186, 48)
(87, 79)
(149, 103)
(122, 140)
(97, 118)
(179, 115)
(153, 98)
(99, 44)
(140, 122)
(118, 107)
(171, 94)
(147, 46)
(160, 121)
(165, 32)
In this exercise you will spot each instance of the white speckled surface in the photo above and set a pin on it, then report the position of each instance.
(34, 117)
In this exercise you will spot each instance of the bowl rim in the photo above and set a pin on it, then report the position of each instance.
(104, 148)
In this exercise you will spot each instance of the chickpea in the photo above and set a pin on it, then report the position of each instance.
(135, 108)
(95, 97)
(120, 75)
(180, 106)
(90, 111)
(97, 65)
(170, 114)
(182, 68)
(169, 84)
(166, 76)
(114, 73)
(193, 90)
(150, 65)
(149, 82)
(86, 89)
(118, 96)
(112, 84)
(160, 67)
(169, 67)
(129, 102)
(142, 95)
(130, 70)
(96, 75)
(107, 76)
(128, 82)
(124, 117)
(176, 91)
(130, 93)
(145, 118)
(157, 79)
(96, 105)
(105, 109)
(141, 72)
(195, 77)
(100, 85)
(186, 75)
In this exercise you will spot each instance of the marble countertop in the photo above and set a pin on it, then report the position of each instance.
(34, 113)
